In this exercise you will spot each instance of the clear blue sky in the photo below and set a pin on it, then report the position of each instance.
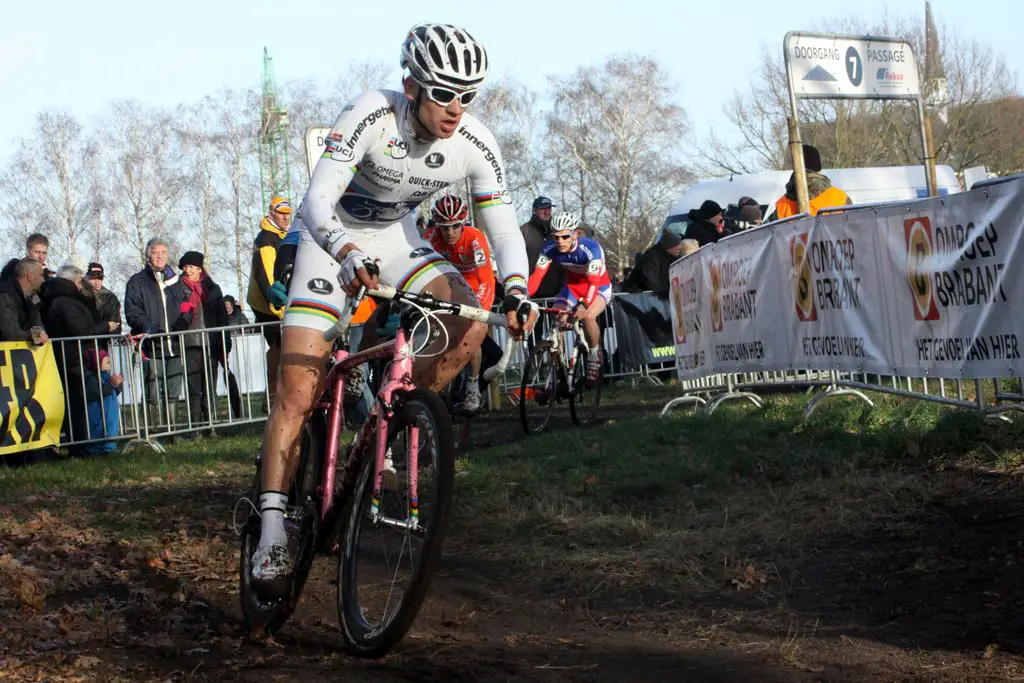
(79, 56)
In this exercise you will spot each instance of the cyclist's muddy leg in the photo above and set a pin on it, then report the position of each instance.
(303, 360)
(465, 335)
(590, 325)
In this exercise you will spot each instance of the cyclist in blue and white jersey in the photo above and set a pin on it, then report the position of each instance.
(387, 152)
(588, 287)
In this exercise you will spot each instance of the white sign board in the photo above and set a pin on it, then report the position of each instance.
(837, 66)
(315, 144)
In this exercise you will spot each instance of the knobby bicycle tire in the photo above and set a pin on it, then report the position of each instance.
(582, 415)
(360, 638)
(527, 405)
(271, 614)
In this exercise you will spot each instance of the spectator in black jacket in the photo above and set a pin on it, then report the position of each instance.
(106, 301)
(19, 311)
(536, 232)
(707, 224)
(146, 311)
(200, 305)
(37, 248)
(234, 312)
(67, 312)
(651, 271)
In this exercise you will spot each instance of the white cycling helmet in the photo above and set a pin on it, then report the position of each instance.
(563, 221)
(446, 55)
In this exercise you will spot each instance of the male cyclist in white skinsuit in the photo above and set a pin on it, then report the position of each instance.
(387, 152)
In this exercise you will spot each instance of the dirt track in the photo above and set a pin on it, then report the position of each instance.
(935, 597)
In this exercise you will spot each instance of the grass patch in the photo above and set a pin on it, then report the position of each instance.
(703, 498)
(126, 468)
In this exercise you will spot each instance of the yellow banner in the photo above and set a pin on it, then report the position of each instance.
(31, 397)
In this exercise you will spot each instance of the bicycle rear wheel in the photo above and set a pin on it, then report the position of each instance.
(302, 522)
(584, 401)
(539, 389)
(377, 601)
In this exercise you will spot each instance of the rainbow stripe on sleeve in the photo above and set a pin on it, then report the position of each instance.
(485, 199)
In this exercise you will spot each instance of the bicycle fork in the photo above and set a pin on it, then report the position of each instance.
(398, 379)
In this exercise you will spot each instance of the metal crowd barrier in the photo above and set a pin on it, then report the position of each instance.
(707, 393)
(174, 384)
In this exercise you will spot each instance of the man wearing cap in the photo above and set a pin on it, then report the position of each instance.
(536, 232)
(107, 303)
(266, 297)
(651, 271)
(820, 192)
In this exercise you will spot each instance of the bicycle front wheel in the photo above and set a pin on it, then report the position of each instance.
(389, 555)
(539, 389)
(586, 396)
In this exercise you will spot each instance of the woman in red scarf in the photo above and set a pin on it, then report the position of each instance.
(200, 305)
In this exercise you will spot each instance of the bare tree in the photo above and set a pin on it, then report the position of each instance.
(49, 185)
(619, 128)
(145, 174)
(512, 112)
(864, 132)
(236, 113)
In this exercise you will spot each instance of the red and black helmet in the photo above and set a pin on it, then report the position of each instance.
(450, 209)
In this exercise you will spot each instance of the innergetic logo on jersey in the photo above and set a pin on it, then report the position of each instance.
(397, 149)
(803, 293)
(336, 149)
(920, 246)
(318, 285)
(421, 251)
(434, 160)
(716, 297)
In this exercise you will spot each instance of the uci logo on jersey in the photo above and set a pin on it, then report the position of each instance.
(434, 160)
(422, 251)
(337, 150)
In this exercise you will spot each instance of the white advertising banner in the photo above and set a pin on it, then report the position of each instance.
(954, 271)
(689, 323)
(843, 66)
(834, 293)
(925, 288)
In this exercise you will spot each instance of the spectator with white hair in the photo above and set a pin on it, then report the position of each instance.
(146, 312)
(68, 312)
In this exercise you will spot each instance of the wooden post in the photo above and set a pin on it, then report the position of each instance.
(929, 143)
(796, 151)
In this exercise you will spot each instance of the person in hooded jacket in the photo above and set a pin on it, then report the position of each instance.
(820, 192)
(707, 224)
(67, 312)
(195, 302)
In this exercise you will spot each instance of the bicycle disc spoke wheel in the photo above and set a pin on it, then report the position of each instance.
(302, 523)
(537, 391)
(386, 564)
(584, 401)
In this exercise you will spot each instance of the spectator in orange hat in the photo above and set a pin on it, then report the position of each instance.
(266, 297)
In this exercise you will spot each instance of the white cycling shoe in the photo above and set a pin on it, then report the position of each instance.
(470, 402)
(271, 569)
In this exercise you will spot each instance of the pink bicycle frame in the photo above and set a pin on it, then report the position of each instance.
(399, 378)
